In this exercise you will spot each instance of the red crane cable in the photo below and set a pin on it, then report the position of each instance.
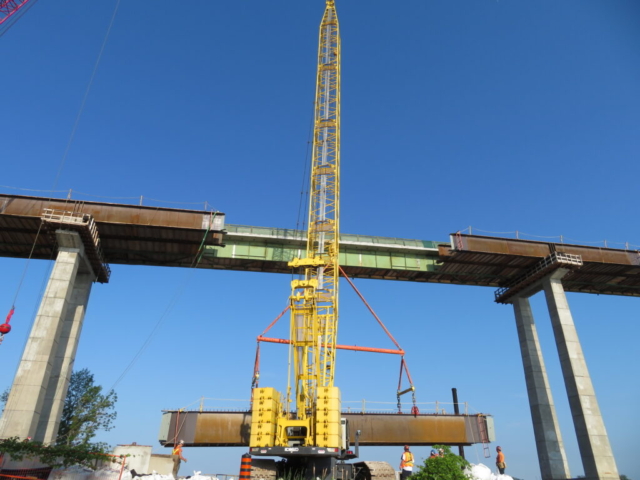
(370, 309)
(403, 363)
(11, 312)
(275, 321)
(256, 366)
(399, 351)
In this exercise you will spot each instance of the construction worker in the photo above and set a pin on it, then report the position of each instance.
(177, 456)
(500, 463)
(406, 463)
(434, 454)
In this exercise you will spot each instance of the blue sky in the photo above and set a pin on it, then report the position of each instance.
(500, 115)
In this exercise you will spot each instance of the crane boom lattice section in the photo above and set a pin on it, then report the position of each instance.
(314, 300)
(312, 420)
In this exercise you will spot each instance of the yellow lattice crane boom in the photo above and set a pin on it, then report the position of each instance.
(305, 425)
(314, 300)
(309, 414)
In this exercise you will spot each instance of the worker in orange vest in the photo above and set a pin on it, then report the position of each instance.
(406, 463)
(500, 463)
(176, 453)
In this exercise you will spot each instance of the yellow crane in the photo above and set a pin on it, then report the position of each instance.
(304, 426)
(314, 297)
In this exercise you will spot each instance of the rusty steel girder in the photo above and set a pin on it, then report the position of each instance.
(129, 234)
(218, 429)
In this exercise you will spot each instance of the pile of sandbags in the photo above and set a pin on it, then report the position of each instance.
(482, 472)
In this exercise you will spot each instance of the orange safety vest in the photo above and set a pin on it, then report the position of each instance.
(408, 462)
(177, 450)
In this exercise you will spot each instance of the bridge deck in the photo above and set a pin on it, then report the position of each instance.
(140, 235)
(129, 234)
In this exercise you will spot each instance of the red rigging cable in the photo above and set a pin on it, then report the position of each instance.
(403, 364)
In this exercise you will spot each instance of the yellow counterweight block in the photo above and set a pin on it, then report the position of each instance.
(328, 429)
(264, 417)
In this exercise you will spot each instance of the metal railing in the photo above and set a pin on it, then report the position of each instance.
(86, 227)
(551, 262)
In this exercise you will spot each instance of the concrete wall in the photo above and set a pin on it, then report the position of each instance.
(143, 461)
(162, 464)
(140, 456)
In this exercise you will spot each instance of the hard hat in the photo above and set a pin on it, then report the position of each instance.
(433, 452)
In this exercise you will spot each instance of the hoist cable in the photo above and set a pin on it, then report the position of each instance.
(174, 300)
(85, 96)
(66, 152)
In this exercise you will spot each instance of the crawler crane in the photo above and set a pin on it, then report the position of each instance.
(304, 427)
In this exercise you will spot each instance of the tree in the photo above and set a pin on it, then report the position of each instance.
(55, 455)
(4, 396)
(86, 410)
(448, 467)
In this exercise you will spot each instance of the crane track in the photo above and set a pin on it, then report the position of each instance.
(263, 469)
(375, 471)
(268, 470)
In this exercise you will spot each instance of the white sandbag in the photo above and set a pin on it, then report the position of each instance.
(75, 472)
(105, 473)
(482, 472)
(198, 476)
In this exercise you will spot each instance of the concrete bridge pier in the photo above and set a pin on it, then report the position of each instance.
(34, 406)
(551, 453)
(597, 456)
(595, 451)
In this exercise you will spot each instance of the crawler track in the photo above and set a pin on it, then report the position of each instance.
(375, 471)
(263, 469)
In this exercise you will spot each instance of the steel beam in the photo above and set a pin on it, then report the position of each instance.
(140, 235)
(219, 429)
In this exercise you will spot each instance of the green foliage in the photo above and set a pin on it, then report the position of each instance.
(448, 467)
(86, 411)
(624, 477)
(4, 396)
(88, 455)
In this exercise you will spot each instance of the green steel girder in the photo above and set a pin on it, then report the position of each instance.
(269, 250)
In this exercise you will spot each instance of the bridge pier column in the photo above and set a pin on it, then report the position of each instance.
(597, 457)
(40, 386)
(551, 454)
